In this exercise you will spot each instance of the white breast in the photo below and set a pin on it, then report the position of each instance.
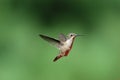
(66, 45)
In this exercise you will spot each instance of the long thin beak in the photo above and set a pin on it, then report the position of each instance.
(77, 35)
(80, 35)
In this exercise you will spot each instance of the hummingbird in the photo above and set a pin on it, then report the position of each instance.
(64, 43)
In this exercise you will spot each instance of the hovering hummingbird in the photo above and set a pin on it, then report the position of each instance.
(64, 44)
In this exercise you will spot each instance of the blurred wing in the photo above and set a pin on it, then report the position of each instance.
(51, 40)
(62, 37)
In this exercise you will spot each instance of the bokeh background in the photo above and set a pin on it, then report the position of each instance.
(25, 56)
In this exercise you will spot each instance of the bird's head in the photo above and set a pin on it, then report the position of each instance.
(73, 35)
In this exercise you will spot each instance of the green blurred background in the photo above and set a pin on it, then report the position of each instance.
(25, 56)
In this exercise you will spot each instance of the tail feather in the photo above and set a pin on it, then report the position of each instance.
(57, 57)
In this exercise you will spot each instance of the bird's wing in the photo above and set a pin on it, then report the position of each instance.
(52, 41)
(62, 37)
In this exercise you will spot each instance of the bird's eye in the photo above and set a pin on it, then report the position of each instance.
(71, 35)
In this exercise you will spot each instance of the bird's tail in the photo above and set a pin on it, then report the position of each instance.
(57, 57)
